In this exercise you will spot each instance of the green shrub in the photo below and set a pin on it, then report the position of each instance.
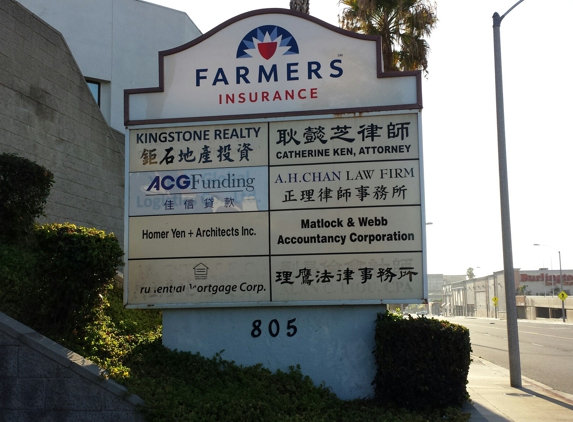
(108, 340)
(24, 188)
(131, 321)
(17, 267)
(421, 363)
(184, 386)
(75, 266)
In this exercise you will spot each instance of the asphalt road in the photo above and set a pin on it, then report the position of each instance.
(546, 348)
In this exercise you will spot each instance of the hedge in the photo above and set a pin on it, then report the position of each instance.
(421, 363)
(24, 188)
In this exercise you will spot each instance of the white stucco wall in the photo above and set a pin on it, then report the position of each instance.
(332, 344)
(116, 42)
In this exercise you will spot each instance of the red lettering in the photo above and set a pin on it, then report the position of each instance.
(278, 95)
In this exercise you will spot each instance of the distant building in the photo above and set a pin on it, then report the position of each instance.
(545, 282)
(435, 291)
(535, 293)
(115, 43)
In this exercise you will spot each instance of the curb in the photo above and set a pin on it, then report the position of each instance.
(550, 391)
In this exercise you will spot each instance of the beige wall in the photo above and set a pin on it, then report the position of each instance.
(47, 114)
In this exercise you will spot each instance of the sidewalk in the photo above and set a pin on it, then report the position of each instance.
(494, 400)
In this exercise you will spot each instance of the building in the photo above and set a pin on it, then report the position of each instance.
(545, 282)
(116, 43)
(535, 294)
(48, 115)
(47, 111)
(436, 283)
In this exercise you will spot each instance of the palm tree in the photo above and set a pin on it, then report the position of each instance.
(300, 5)
(403, 26)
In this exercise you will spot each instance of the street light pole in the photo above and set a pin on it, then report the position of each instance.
(511, 308)
(560, 277)
(561, 282)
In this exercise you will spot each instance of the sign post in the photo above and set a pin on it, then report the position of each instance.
(274, 196)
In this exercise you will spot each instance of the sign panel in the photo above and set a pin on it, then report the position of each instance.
(199, 281)
(344, 277)
(345, 185)
(195, 147)
(350, 230)
(272, 63)
(199, 236)
(276, 171)
(198, 191)
(338, 229)
(355, 139)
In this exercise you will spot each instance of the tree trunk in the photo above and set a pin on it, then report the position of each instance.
(300, 6)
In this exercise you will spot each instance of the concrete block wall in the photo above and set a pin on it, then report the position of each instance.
(47, 114)
(41, 381)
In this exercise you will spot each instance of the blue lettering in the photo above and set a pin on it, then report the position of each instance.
(267, 76)
(242, 73)
(154, 184)
(313, 68)
(220, 77)
(291, 72)
(198, 76)
(313, 71)
(334, 67)
(167, 179)
(196, 179)
(183, 182)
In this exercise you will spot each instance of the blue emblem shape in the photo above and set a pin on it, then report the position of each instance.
(266, 41)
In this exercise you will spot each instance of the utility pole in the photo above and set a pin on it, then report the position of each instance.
(509, 275)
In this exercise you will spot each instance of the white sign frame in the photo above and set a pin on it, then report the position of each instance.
(172, 123)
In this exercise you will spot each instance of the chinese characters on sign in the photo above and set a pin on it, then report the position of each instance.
(323, 210)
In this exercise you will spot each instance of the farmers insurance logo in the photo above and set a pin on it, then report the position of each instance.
(266, 41)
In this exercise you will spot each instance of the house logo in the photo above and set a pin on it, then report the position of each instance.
(266, 41)
(201, 271)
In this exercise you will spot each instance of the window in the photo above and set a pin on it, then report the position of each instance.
(95, 88)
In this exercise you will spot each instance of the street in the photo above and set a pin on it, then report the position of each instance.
(546, 348)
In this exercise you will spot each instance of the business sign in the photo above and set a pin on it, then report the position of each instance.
(270, 167)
